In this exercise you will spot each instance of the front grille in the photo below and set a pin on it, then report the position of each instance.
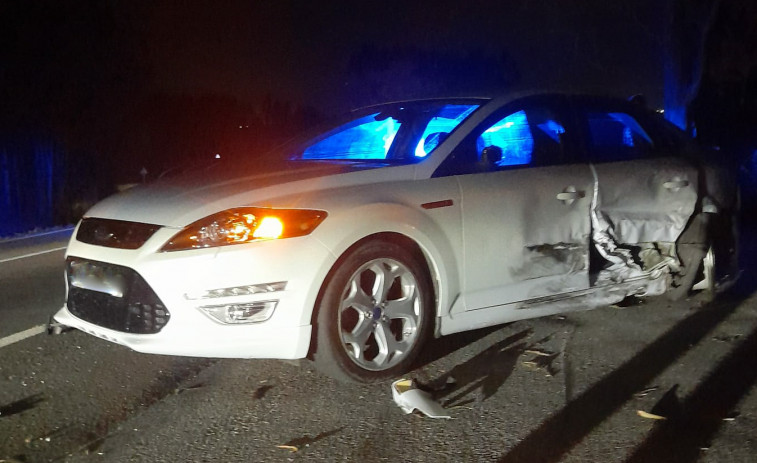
(134, 308)
(115, 233)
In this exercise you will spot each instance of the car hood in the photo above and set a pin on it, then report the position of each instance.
(180, 201)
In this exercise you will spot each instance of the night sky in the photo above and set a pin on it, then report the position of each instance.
(300, 51)
(96, 90)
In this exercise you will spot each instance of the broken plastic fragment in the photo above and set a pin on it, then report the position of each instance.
(650, 416)
(291, 448)
(646, 391)
(410, 398)
(538, 353)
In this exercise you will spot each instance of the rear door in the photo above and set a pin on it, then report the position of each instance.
(646, 193)
(525, 206)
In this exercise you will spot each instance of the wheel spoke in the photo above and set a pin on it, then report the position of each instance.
(390, 350)
(402, 308)
(385, 276)
(358, 338)
(357, 298)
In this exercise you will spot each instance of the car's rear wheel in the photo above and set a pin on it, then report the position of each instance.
(709, 253)
(374, 315)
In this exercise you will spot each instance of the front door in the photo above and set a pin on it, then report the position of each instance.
(525, 207)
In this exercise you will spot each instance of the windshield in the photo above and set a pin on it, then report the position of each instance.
(400, 133)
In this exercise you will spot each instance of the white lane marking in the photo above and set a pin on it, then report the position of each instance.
(35, 235)
(32, 254)
(20, 336)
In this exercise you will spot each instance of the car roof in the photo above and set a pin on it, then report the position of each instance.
(503, 98)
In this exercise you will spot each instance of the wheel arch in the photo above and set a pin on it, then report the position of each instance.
(400, 239)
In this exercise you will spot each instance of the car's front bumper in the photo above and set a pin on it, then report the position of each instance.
(185, 280)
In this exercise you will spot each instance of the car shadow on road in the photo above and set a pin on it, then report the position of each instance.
(702, 414)
(486, 372)
(441, 347)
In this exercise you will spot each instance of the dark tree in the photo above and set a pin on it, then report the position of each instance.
(690, 24)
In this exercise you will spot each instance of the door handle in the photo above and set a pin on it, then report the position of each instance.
(569, 195)
(675, 185)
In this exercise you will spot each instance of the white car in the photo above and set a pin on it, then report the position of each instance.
(405, 221)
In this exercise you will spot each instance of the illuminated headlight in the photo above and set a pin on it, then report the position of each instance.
(253, 312)
(245, 225)
(245, 290)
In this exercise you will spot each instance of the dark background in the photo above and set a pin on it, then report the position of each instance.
(98, 93)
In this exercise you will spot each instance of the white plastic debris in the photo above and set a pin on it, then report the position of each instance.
(410, 398)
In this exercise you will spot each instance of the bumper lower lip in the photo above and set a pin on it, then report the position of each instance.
(208, 340)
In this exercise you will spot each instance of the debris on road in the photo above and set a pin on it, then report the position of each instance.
(543, 360)
(726, 338)
(645, 392)
(410, 398)
(731, 416)
(650, 416)
(291, 448)
(539, 353)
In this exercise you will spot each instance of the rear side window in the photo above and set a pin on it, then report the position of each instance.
(617, 136)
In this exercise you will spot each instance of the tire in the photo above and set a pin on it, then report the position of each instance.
(367, 330)
(692, 257)
(708, 264)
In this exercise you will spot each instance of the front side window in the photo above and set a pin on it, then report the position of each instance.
(530, 135)
(512, 136)
(520, 138)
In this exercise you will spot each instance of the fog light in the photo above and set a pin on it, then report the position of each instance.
(252, 312)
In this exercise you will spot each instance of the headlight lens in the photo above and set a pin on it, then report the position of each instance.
(245, 225)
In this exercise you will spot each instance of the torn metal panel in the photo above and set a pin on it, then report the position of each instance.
(648, 260)
(646, 201)
(622, 265)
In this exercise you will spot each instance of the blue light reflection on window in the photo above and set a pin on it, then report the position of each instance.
(364, 138)
(513, 135)
(444, 121)
(617, 129)
(552, 129)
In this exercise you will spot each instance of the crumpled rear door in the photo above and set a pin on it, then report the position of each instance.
(646, 200)
(646, 194)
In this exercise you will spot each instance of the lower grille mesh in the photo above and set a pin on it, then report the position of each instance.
(139, 311)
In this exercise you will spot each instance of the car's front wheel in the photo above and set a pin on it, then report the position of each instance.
(374, 315)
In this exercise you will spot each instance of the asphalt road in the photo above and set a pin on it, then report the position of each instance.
(31, 280)
(564, 388)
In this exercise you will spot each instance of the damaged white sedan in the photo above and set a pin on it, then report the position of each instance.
(403, 222)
